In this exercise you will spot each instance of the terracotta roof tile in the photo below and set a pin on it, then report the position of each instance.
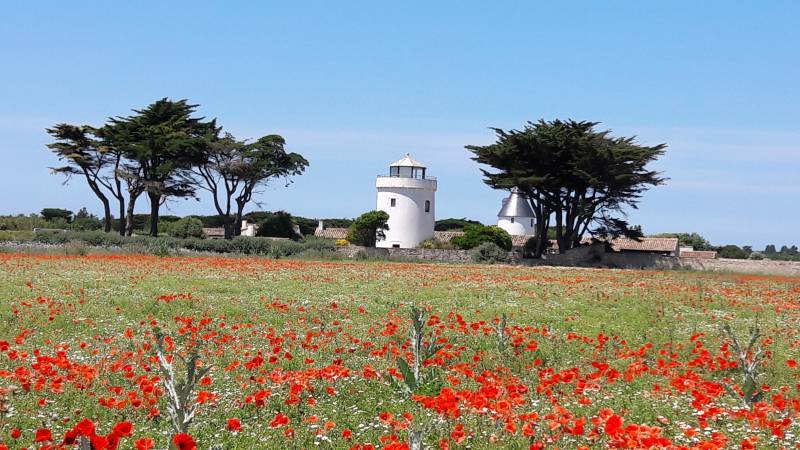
(699, 254)
(647, 244)
(331, 233)
(214, 232)
(445, 236)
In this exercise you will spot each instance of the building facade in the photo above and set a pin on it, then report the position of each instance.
(407, 194)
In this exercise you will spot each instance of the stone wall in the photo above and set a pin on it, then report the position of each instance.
(589, 256)
(426, 254)
(764, 266)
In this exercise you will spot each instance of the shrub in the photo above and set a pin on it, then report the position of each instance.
(732, 252)
(342, 242)
(315, 243)
(186, 227)
(279, 224)
(160, 247)
(16, 236)
(475, 235)
(76, 248)
(51, 237)
(529, 248)
(368, 228)
(433, 243)
(163, 246)
(490, 253)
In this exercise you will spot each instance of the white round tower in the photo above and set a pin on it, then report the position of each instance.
(516, 215)
(407, 195)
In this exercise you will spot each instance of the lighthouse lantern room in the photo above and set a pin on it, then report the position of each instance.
(407, 194)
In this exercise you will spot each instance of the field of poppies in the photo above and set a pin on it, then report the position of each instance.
(144, 352)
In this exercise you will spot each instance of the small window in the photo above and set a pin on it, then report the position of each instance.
(427, 206)
(395, 245)
(512, 220)
(531, 222)
(393, 202)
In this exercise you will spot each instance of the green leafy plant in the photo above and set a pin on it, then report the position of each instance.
(502, 337)
(414, 379)
(186, 227)
(181, 406)
(750, 358)
(280, 224)
(490, 253)
(475, 235)
(368, 228)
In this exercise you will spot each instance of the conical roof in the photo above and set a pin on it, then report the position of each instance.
(408, 161)
(515, 205)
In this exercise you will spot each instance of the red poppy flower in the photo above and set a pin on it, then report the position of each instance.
(279, 420)
(85, 428)
(613, 425)
(184, 441)
(43, 435)
(16, 433)
(144, 444)
(234, 425)
(123, 429)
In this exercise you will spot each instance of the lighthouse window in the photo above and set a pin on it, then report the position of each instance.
(512, 220)
(427, 206)
(393, 202)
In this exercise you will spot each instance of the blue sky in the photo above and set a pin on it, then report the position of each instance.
(355, 85)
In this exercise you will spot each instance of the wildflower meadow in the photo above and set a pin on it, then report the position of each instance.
(133, 351)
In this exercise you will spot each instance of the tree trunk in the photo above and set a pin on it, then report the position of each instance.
(103, 199)
(106, 215)
(122, 215)
(129, 215)
(562, 248)
(237, 222)
(155, 205)
(228, 225)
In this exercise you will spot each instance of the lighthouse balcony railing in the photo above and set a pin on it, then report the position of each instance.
(426, 177)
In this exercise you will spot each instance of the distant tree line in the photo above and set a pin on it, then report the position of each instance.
(163, 152)
(272, 224)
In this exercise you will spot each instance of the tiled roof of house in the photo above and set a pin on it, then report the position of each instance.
(699, 254)
(519, 240)
(214, 232)
(331, 233)
(445, 236)
(646, 244)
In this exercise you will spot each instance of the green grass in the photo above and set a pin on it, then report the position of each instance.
(94, 300)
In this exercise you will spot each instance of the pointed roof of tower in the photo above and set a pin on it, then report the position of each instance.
(515, 205)
(408, 161)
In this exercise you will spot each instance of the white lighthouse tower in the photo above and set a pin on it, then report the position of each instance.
(407, 195)
(516, 215)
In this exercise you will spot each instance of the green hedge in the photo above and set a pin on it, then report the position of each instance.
(162, 245)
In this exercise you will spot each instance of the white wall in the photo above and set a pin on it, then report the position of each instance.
(409, 224)
(520, 227)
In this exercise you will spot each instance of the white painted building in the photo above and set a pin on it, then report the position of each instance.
(516, 215)
(407, 194)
